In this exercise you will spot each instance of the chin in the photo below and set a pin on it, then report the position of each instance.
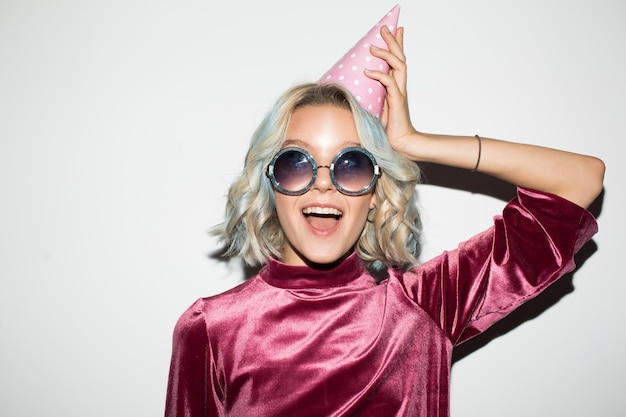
(326, 260)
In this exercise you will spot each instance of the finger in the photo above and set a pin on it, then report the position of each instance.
(400, 37)
(394, 93)
(395, 44)
(400, 74)
(384, 115)
(397, 65)
(394, 61)
(402, 77)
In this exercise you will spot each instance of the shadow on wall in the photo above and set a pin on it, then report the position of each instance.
(473, 182)
(483, 184)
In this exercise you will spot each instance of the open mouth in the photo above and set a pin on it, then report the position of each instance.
(322, 218)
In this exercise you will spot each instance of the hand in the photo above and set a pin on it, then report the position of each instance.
(395, 116)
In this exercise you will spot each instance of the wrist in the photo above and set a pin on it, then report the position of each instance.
(415, 146)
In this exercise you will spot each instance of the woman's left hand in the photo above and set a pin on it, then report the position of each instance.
(395, 116)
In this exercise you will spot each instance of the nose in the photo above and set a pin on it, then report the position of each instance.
(323, 182)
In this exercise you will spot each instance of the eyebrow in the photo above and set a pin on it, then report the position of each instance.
(301, 144)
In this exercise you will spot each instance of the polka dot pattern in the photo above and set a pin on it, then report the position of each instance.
(348, 71)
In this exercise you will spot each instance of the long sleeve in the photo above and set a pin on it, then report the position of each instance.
(529, 247)
(191, 370)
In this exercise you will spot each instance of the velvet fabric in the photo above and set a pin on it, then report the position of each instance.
(295, 341)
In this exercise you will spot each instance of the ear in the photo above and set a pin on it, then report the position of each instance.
(373, 201)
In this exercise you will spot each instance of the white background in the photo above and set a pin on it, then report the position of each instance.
(123, 122)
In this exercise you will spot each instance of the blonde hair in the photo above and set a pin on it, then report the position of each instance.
(251, 228)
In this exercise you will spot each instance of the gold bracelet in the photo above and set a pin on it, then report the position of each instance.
(480, 146)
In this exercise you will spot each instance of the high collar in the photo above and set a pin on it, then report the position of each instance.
(286, 276)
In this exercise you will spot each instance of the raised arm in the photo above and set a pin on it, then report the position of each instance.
(575, 177)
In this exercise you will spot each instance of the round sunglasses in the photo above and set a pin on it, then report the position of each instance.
(353, 171)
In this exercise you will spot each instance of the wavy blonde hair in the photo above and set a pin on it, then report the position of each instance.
(251, 228)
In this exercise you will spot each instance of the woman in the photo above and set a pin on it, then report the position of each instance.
(328, 194)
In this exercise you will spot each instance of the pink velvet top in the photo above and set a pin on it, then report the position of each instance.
(295, 341)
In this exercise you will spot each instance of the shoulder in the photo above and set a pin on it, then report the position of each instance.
(221, 308)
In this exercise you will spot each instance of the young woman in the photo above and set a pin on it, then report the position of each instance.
(327, 195)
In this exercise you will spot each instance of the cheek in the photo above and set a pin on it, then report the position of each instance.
(285, 207)
(361, 209)
(367, 203)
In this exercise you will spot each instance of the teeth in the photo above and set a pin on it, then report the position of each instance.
(322, 210)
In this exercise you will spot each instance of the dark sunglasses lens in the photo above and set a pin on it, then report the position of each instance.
(354, 171)
(293, 171)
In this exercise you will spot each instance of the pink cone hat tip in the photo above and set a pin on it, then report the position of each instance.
(348, 71)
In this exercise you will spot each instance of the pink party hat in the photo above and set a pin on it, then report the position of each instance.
(348, 71)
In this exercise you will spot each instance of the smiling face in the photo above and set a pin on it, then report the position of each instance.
(322, 225)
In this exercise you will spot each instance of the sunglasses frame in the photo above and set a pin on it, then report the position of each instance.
(270, 171)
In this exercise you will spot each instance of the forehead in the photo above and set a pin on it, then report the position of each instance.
(320, 128)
